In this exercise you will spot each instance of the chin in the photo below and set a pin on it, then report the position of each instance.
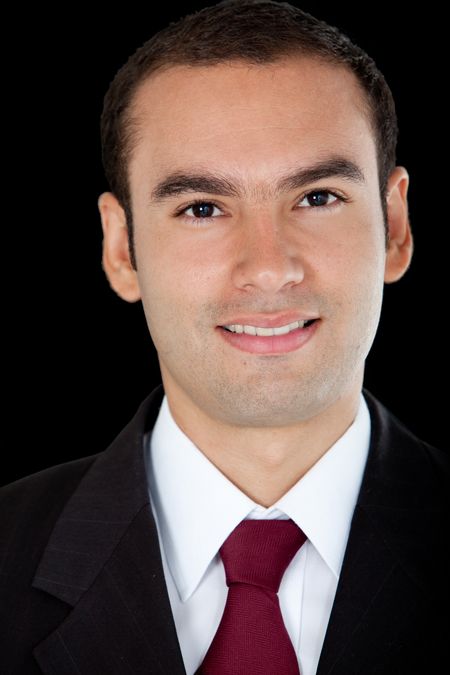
(259, 410)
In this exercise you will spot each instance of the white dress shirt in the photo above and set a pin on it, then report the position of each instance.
(196, 507)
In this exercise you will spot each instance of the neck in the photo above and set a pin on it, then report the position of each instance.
(265, 463)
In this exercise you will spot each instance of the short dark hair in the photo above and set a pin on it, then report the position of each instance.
(255, 31)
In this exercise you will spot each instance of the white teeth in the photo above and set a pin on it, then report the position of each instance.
(263, 331)
(266, 332)
(282, 330)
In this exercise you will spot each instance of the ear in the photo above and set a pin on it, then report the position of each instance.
(116, 259)
(400, 245)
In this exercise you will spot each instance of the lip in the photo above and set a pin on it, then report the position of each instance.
(270, 345)
(269, 320)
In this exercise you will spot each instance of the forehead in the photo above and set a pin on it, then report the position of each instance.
(239, 115)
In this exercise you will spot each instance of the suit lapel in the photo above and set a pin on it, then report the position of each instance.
(387, 573)
(123, 622)
(103, 559)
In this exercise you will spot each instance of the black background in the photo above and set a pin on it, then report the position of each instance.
(78, 360)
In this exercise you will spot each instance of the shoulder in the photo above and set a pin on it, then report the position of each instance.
(30, 506)
(398, 456)
(54, 534)
(29, 510)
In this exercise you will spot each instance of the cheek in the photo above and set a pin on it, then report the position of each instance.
(183, 264)
(349, 271)
(358, 252)
(177, 277)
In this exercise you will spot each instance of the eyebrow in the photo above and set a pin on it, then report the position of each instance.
(180, 182)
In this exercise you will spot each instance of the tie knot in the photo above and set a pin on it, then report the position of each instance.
(258, 552)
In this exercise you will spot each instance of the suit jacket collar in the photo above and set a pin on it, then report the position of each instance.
(96, 517)
(103, 558)
(390, 564)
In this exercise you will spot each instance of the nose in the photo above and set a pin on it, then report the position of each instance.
(267, 259)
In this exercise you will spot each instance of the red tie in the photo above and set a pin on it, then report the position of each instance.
(252, 638)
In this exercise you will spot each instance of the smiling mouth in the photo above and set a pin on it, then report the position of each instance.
(263, 331)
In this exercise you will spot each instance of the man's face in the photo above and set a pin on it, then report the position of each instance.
(258, 256)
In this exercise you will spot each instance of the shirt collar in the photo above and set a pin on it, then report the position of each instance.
(197, 507)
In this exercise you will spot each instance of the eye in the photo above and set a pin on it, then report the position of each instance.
(200, 210)
(319, 199)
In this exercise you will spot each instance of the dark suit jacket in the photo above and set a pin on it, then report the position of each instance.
(83, 590)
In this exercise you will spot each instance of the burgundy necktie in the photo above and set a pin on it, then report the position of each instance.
(251, 638)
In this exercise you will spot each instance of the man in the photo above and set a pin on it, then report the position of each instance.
(257, 211)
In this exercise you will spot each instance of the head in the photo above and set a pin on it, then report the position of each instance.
(229, 106)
